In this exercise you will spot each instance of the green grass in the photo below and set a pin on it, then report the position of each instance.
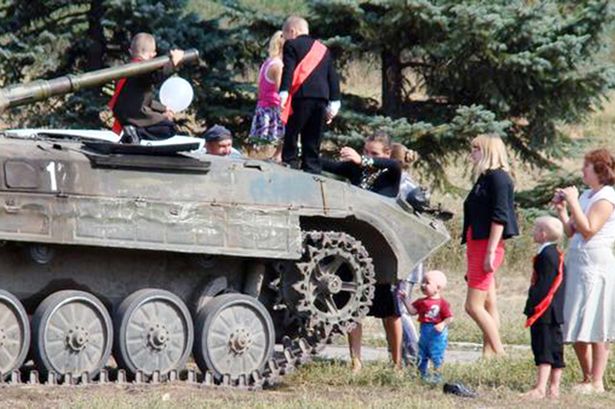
(330, 384)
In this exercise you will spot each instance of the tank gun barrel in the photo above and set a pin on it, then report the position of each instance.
(21, 94)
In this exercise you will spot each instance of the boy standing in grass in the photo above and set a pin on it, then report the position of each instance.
(544, 308)
(434, 315)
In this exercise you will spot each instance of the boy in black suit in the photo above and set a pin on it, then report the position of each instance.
(544, 308)
(133, 104)
(309, 94)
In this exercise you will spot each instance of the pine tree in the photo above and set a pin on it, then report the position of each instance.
(68, 37)
(518, 68)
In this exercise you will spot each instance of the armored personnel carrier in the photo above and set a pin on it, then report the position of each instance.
(151, 256)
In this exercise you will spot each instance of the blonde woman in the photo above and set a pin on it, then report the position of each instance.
(488, 219)
(267, 127)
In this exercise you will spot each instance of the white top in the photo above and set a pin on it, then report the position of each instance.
(605, 237)
(406, 185)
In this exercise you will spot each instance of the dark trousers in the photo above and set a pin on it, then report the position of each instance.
(548, 344)
(306, 120)
(159, 131)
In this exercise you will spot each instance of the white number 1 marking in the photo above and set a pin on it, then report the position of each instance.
(51, 168)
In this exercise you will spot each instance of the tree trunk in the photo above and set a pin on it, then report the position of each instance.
(392, 82)
(96, 36)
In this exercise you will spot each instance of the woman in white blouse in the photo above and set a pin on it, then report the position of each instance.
(589, 304)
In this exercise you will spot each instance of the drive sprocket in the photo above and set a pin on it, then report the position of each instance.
(331, 288)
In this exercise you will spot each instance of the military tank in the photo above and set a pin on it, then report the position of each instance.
(153, 256)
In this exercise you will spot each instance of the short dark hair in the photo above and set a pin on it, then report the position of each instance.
(217, 133)
(604, 165)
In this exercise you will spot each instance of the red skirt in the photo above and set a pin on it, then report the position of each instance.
(476, 250)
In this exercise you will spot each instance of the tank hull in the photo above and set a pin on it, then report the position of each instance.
(57, 193)
(112, 274)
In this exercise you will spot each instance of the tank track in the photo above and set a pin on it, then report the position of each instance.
(296, 352)
(316, 330)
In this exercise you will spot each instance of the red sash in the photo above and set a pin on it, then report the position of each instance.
(303, 70)
(117, 126)
(544, 304)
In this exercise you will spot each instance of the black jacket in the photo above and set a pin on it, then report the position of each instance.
(546, 265)
(490, 200)
(323, 82)
(135, 104)
(382, 178)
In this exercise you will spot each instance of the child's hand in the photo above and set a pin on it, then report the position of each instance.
(329, 117)
(176, 56)
(283, 99)
(332, 109)
(169, 114)
(440, 326)
(401, 294)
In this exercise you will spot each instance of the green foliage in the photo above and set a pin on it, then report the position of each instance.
(516, 67)
(57, 38)
(437, 143)
(543, 192)
(450, 69)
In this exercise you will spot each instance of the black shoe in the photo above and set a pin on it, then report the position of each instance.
(459, 389)
(130, 135)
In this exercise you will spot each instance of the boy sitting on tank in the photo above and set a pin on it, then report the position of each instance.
(133, 105)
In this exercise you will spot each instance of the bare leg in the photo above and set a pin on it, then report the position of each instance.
(491, 305)
(492, 309)
(584, 354)
(600, 356)
(354, 343)
(540, 387)
(475, 307)
(554, 381)
(277, 155)
(393, 330)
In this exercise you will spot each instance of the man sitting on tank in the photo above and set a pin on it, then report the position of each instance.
(219, 142)
(133, 105)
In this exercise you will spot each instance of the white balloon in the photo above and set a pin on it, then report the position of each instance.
(176, 93)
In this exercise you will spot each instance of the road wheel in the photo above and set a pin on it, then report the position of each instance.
(235, 336)
(14, 333)
(72, 333)
(153, 332)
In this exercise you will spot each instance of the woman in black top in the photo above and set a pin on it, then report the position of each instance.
(488, 219)
(377, 172)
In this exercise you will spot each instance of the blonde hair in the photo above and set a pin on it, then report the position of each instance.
(493, 154)
(142, 43)
(298, 23)
(403, 155)
(438, 277)
(552, 226)
(275, 44)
